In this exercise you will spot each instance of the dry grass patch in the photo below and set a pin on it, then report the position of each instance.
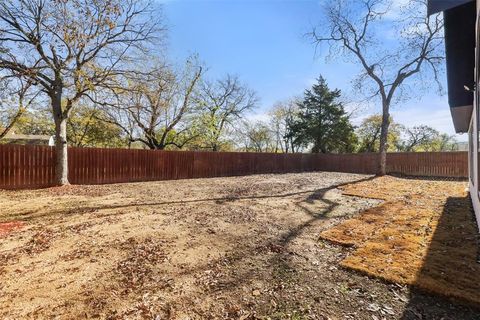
(423, 235)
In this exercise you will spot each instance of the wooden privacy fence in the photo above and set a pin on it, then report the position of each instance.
(430, 164)
(34, 166)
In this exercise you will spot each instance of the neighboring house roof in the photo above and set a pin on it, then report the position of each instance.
(460, 20)
(29, 139)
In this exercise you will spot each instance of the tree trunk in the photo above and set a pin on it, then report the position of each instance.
(61, 164)
(382, 166)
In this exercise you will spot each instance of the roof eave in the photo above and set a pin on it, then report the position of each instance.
(436, 6)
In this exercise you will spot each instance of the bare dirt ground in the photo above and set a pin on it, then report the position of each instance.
(223, 248)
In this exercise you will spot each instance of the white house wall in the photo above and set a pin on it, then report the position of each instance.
(473, 181)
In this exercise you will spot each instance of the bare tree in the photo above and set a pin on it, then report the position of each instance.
(121, 118)
(68, 48)
(354, 29)
(257, 136)
(417, 136)
(446, 142)
(16, 97)
(86, 128)
(222, 103)
(157, 103)
(425, 138)
(282, 116)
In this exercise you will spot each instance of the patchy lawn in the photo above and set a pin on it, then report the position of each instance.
(424, 235)
(223, 248)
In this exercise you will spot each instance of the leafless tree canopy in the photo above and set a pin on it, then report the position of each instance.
(157, 103)
(282, 116)
(222, 103)
(68, 48)
(359, 30)
(390, 49)
(425, 138)
(72, 44)
(17, 95)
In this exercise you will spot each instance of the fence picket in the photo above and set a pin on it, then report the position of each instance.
(33, 166)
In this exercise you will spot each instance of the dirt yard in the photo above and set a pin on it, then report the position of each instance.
(223, 248)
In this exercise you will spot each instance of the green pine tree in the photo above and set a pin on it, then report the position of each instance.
(322, 122)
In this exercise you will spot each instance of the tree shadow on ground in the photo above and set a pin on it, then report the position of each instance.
(85, 209)
(317, 195)
(266, 260)
(451, 267)
(269, 252)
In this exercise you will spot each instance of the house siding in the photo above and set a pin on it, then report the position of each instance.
(474, 133)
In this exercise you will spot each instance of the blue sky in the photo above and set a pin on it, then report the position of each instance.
(263, 43)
